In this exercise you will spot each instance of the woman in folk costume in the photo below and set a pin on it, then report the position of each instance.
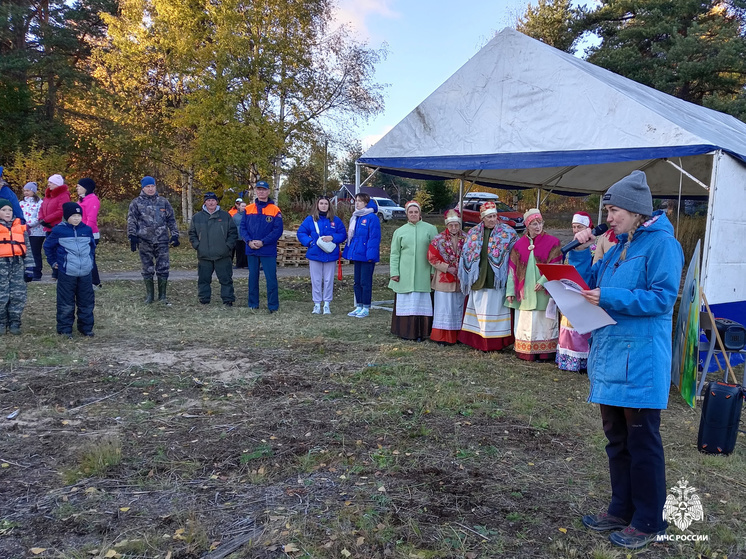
(535, 334)
(410, 276)
(483, 274)
(572, 346)
(444, 254)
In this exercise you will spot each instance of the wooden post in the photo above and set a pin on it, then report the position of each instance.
(717, 336)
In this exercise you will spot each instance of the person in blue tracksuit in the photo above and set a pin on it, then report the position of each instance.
(363, 249)
(629, 365)
(70, 248)
(322, 224)
(261, 228)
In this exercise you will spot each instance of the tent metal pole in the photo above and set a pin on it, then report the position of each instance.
(357, 177)
(681, 170)
(538, 198)
(461, 197)
(710, 218)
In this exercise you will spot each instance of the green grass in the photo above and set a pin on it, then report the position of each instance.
(313, 430)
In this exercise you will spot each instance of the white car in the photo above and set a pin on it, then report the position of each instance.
(388, 210)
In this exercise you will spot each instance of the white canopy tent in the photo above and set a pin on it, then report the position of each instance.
(521, 114)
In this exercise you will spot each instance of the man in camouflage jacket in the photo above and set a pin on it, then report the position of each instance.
(151, 227)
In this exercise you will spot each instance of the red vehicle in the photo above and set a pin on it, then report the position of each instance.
(470, 215)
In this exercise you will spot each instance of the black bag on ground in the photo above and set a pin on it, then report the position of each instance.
(721, 415)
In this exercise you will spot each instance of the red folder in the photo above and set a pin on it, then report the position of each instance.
(562, 272)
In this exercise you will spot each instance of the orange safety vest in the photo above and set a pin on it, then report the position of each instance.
(11, 239)
(233, 211)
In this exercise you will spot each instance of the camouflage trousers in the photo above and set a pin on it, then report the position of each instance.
(12, 291)
(154, 252)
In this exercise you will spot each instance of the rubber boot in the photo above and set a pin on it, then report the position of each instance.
(162, 283)
(150, 291)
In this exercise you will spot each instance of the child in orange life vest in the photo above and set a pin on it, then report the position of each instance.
(14, 246)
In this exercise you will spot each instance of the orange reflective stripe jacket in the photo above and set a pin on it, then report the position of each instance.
(11, 239)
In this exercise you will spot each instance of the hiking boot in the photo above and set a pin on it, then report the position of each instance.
(604, 522)
(632, 538)
(228, 303)
(149, 290)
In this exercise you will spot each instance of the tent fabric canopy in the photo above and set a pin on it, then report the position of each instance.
(522, 114)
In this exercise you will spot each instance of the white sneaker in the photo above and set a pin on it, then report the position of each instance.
(316, 308)
(327, 310)
(364, 313)
(355, 312)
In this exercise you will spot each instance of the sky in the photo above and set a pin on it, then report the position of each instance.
(427, 41)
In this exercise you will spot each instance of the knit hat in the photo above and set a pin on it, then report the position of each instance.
(4, 202)
(632, 193)
(56, 180)
(210, 196)
(452, 216)
(70, 209)
(147, 181)
(262, 184)
(531, 215)
(583, 218)
(488, 208)
(88, 184)
(32, 186)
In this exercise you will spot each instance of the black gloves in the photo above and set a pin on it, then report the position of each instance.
(175, 241)
(28, 275)
(45, 224)
(134, 242)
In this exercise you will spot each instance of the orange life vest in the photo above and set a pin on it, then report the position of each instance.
(11, 239)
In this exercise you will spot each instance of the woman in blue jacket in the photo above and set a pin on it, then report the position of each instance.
(322, 256)
(629, 366)
(363, 249)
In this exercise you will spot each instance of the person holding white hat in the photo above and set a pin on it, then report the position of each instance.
(444, 254)
(410, 271)
(483, 274)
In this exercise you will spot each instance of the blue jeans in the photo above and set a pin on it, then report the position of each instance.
(269, 265)
(364, 283)
(74, 291)
(636, 466)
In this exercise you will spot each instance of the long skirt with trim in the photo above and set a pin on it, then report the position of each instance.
(572, 348)
(535, 335)
(448, 315)
(413, 316)
(487, 324)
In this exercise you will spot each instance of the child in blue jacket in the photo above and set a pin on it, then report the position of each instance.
(70, 248)
(363, 249)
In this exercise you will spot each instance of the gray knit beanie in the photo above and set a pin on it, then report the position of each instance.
(632, 193)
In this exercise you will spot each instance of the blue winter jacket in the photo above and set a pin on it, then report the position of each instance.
(71, 248)
(630, 362)
(365, 244)
(307, 236)
(262, 222)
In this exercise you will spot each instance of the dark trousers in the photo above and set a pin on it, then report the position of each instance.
(240, 251)
(269, 265)
(37, 242)
(636, 466)
(55, 273)
(74, 291)
(364, 283)
(95, 278)
(223, 268)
